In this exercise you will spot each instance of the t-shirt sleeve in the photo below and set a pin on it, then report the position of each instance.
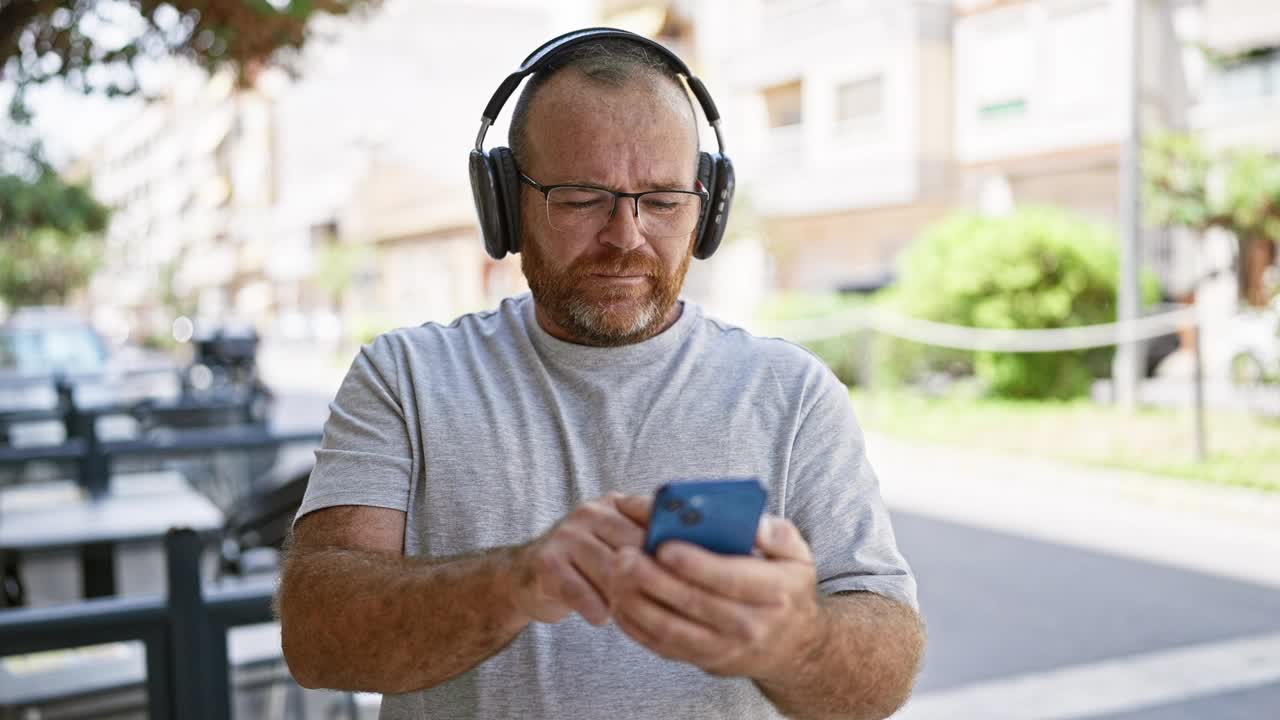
(365, 457)
(834, 498)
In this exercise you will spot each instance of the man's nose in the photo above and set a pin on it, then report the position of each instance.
(623, 229)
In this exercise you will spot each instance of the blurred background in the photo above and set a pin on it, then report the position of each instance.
(207, 207)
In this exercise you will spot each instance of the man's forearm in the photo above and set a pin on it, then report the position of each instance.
(863, 666)
(378, 622)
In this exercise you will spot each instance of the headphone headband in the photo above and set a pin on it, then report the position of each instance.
(542, 56)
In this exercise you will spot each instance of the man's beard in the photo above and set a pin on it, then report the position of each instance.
(594, 312)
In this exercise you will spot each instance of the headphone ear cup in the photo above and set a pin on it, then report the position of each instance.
(484, 190)
(707, 180)
(715, 172)
(508, 182)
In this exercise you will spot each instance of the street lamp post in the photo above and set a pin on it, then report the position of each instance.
(1127, 367)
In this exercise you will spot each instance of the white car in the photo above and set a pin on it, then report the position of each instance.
(38, 344)
(1255, 339)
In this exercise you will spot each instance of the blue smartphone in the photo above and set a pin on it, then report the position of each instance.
(720, 515)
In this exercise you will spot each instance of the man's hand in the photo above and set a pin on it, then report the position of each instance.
(569, 569)
(729, 615)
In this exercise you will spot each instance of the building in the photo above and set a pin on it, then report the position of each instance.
(190, 179)
(1043, 109)
(374, 152)
(424, 259)
(839, 118)
(227, 198)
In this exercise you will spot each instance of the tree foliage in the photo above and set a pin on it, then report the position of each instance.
(1036, 268)
(1187, 185)
(50, 230)
(94, 44)
(48, 246)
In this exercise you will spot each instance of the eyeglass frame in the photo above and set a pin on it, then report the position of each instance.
(702, 195)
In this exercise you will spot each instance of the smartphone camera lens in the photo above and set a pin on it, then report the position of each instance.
(672, 504)
(690, 517)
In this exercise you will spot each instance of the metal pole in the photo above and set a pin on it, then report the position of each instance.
(160, 700)
(1202, 450)
(188, 632)
(1127, 367)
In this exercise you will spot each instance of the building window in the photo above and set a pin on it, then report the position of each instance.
(784, 104)
(1004, 60)
(1252, 76)
(860, 102)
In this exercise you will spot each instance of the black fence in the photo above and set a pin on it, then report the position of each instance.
(94, 456)
(185, 632)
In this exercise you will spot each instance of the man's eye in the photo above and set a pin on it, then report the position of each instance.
(577, 199)
(662, 206)
(578, 204)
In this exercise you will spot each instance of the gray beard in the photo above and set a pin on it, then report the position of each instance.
(590, 322)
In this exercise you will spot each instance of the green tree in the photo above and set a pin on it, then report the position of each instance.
(338, 264)
(94, 44)
(1187, 185)
(50, 229)
(48, 243)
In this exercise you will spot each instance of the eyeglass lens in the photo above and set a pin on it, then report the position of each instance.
(587, 210)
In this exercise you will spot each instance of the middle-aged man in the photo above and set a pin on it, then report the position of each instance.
(469, 544)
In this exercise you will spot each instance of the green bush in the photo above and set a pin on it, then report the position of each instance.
(1034, 268)
(839, 353)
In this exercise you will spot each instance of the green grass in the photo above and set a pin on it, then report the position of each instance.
(1244, 450)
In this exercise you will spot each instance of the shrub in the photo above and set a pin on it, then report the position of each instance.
(1035, 268)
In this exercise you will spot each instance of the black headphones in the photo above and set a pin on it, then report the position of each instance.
(495, 183)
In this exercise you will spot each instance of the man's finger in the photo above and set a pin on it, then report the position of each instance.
(614, 527)
(750, 580)
(687, 599)
(636, 508)
(781, 540)
(664, 631)
(570, 587)
(592, 557)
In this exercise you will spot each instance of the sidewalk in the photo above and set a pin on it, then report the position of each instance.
(1224, 531)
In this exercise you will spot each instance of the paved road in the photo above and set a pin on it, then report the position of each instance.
(1004, 611)
(1055, 592)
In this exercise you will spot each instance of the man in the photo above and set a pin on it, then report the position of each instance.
(469, 543)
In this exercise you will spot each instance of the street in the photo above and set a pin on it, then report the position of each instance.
(1057, 592)
(1015, 626)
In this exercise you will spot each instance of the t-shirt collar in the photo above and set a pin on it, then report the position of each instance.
(587, 356)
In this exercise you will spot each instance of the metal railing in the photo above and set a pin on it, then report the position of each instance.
(94, 456)
(185, 632)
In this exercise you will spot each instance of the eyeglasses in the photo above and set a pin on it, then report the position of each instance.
(586, 210)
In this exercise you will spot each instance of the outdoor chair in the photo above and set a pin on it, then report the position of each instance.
(257, 526)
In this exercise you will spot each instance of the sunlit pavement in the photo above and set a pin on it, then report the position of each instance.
(1052, 591)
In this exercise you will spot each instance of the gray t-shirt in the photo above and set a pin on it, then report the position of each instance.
(489, 430)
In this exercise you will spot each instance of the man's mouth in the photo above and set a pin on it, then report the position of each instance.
(628, 279)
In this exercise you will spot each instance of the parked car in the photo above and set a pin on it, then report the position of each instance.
(39, 344)
(1255, 346)
(42, 346)
(137, 394)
